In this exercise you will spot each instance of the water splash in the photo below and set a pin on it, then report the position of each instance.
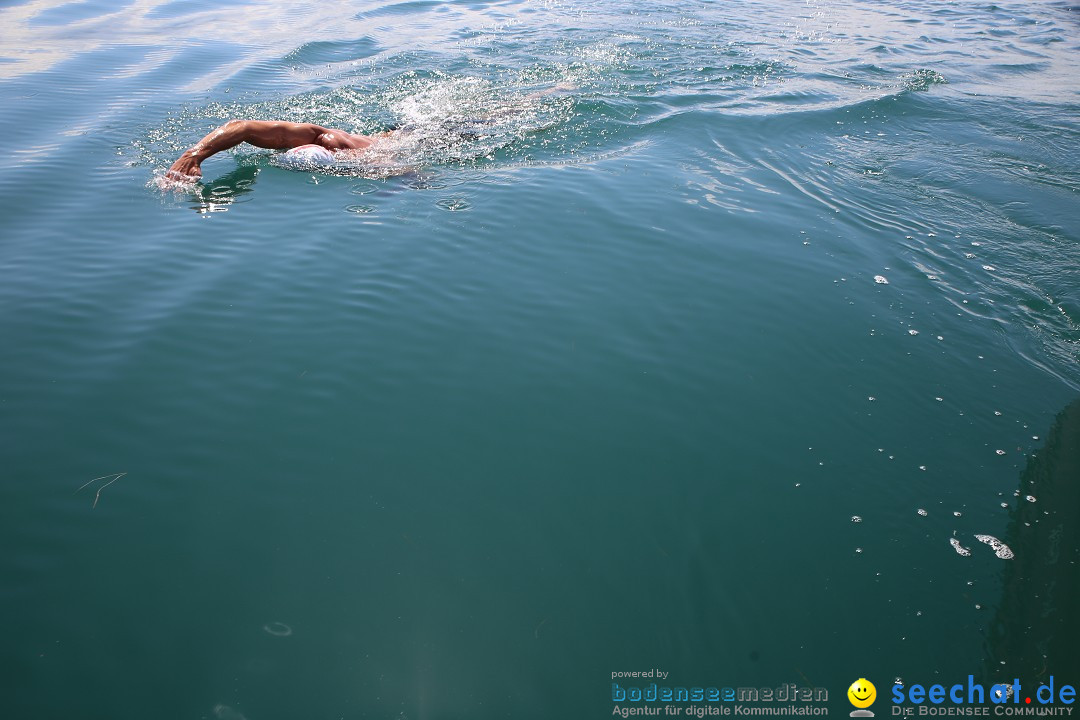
(922, 80)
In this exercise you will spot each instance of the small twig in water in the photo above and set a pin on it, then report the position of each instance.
(114, 477)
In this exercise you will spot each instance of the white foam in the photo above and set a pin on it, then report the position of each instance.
(960, 549)
(1000, 549)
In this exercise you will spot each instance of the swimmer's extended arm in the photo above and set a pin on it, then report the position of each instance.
(260, 133)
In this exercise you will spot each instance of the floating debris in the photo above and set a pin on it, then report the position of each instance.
(1000, 452)
(1030, 498)
(1000, 549)
(111, 479)
(881, 280)
(912, 332)
(922, 512)
(960, 549)
(856, 518)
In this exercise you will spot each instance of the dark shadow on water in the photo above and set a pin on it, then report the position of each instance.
(218, 194)
(1036, 631)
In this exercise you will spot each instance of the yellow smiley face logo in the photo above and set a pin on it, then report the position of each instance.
(862, 693)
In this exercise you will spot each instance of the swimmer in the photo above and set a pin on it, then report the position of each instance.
(306, 143)
(314, 142)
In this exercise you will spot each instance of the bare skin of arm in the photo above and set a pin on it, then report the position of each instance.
(265, 134)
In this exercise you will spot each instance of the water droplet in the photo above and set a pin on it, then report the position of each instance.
(454, 204)
(364, 188)
(359, 209)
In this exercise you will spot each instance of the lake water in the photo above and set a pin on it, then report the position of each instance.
(698, 363)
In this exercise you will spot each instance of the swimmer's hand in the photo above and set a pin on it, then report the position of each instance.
(186, 168)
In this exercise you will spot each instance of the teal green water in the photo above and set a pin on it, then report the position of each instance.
(603, 390)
